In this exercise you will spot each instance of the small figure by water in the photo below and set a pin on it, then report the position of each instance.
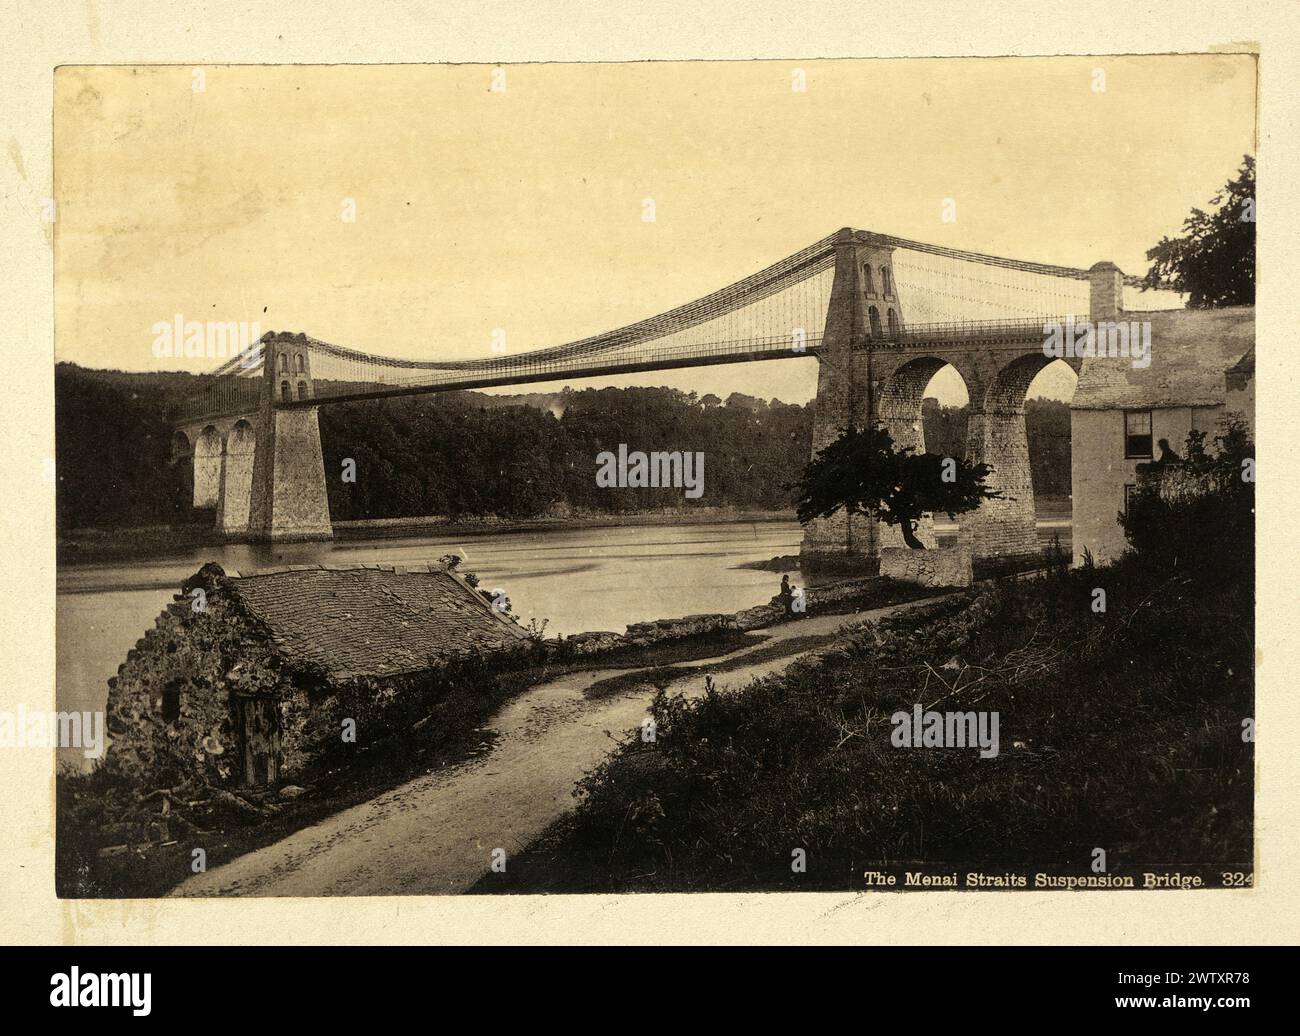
(786, 596)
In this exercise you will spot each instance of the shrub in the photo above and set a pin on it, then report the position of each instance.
(1200, 510)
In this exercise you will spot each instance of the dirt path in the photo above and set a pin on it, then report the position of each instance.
(435, 834)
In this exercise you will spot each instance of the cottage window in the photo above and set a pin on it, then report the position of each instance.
(1137, 433)
(171, 702)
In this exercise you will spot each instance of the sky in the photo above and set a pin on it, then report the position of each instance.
(222, 193)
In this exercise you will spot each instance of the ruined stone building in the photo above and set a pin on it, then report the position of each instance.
(1202, 368)
(245, 679)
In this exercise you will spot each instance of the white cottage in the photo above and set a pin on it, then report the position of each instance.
(1202, 366)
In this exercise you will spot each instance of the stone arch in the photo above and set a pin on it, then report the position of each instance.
(899, 412)
(182, 463)
(207, 467)
(1006, 390)
(182, 448)
(996, 436)
(901, 395)
(237, 478)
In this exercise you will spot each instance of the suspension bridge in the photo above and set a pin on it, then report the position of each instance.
(879, 314)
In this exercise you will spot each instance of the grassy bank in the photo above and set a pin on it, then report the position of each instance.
(1120, 730)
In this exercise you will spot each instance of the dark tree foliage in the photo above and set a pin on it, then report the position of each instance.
(113, 462)
(1214, 260)
(466, 454)
(1199, 511)
(863, 472)
(461, 454)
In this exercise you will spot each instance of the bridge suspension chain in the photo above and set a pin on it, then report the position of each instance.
(779, 309)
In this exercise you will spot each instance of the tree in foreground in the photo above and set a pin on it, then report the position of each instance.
(863, 472)
(1214, 260)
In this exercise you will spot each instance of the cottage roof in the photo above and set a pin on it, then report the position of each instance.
(373, 620)
(1191, 351)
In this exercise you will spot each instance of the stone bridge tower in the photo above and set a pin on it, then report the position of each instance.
(289, 501)
(864, 309)
(873, 374)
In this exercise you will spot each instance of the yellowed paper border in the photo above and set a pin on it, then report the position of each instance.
(42, 35)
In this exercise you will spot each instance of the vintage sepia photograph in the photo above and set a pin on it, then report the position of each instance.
(646, 477)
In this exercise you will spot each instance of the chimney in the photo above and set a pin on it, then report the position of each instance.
(1106, 297)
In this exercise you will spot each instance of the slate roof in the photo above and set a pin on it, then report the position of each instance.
(373, 620)
(1191, 351)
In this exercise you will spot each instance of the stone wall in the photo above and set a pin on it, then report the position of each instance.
(1179, 483)
(939, 567)
(202, 660)
(644, 634)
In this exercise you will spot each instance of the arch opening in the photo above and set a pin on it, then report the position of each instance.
(911, 423)
(207, 467)
(237, 478)
(907, 418)
(241, 439)
(1025, 468)
(181, 446)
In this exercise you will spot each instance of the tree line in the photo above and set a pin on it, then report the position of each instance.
(468, 454)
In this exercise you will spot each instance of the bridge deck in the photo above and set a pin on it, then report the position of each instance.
(520, 370)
